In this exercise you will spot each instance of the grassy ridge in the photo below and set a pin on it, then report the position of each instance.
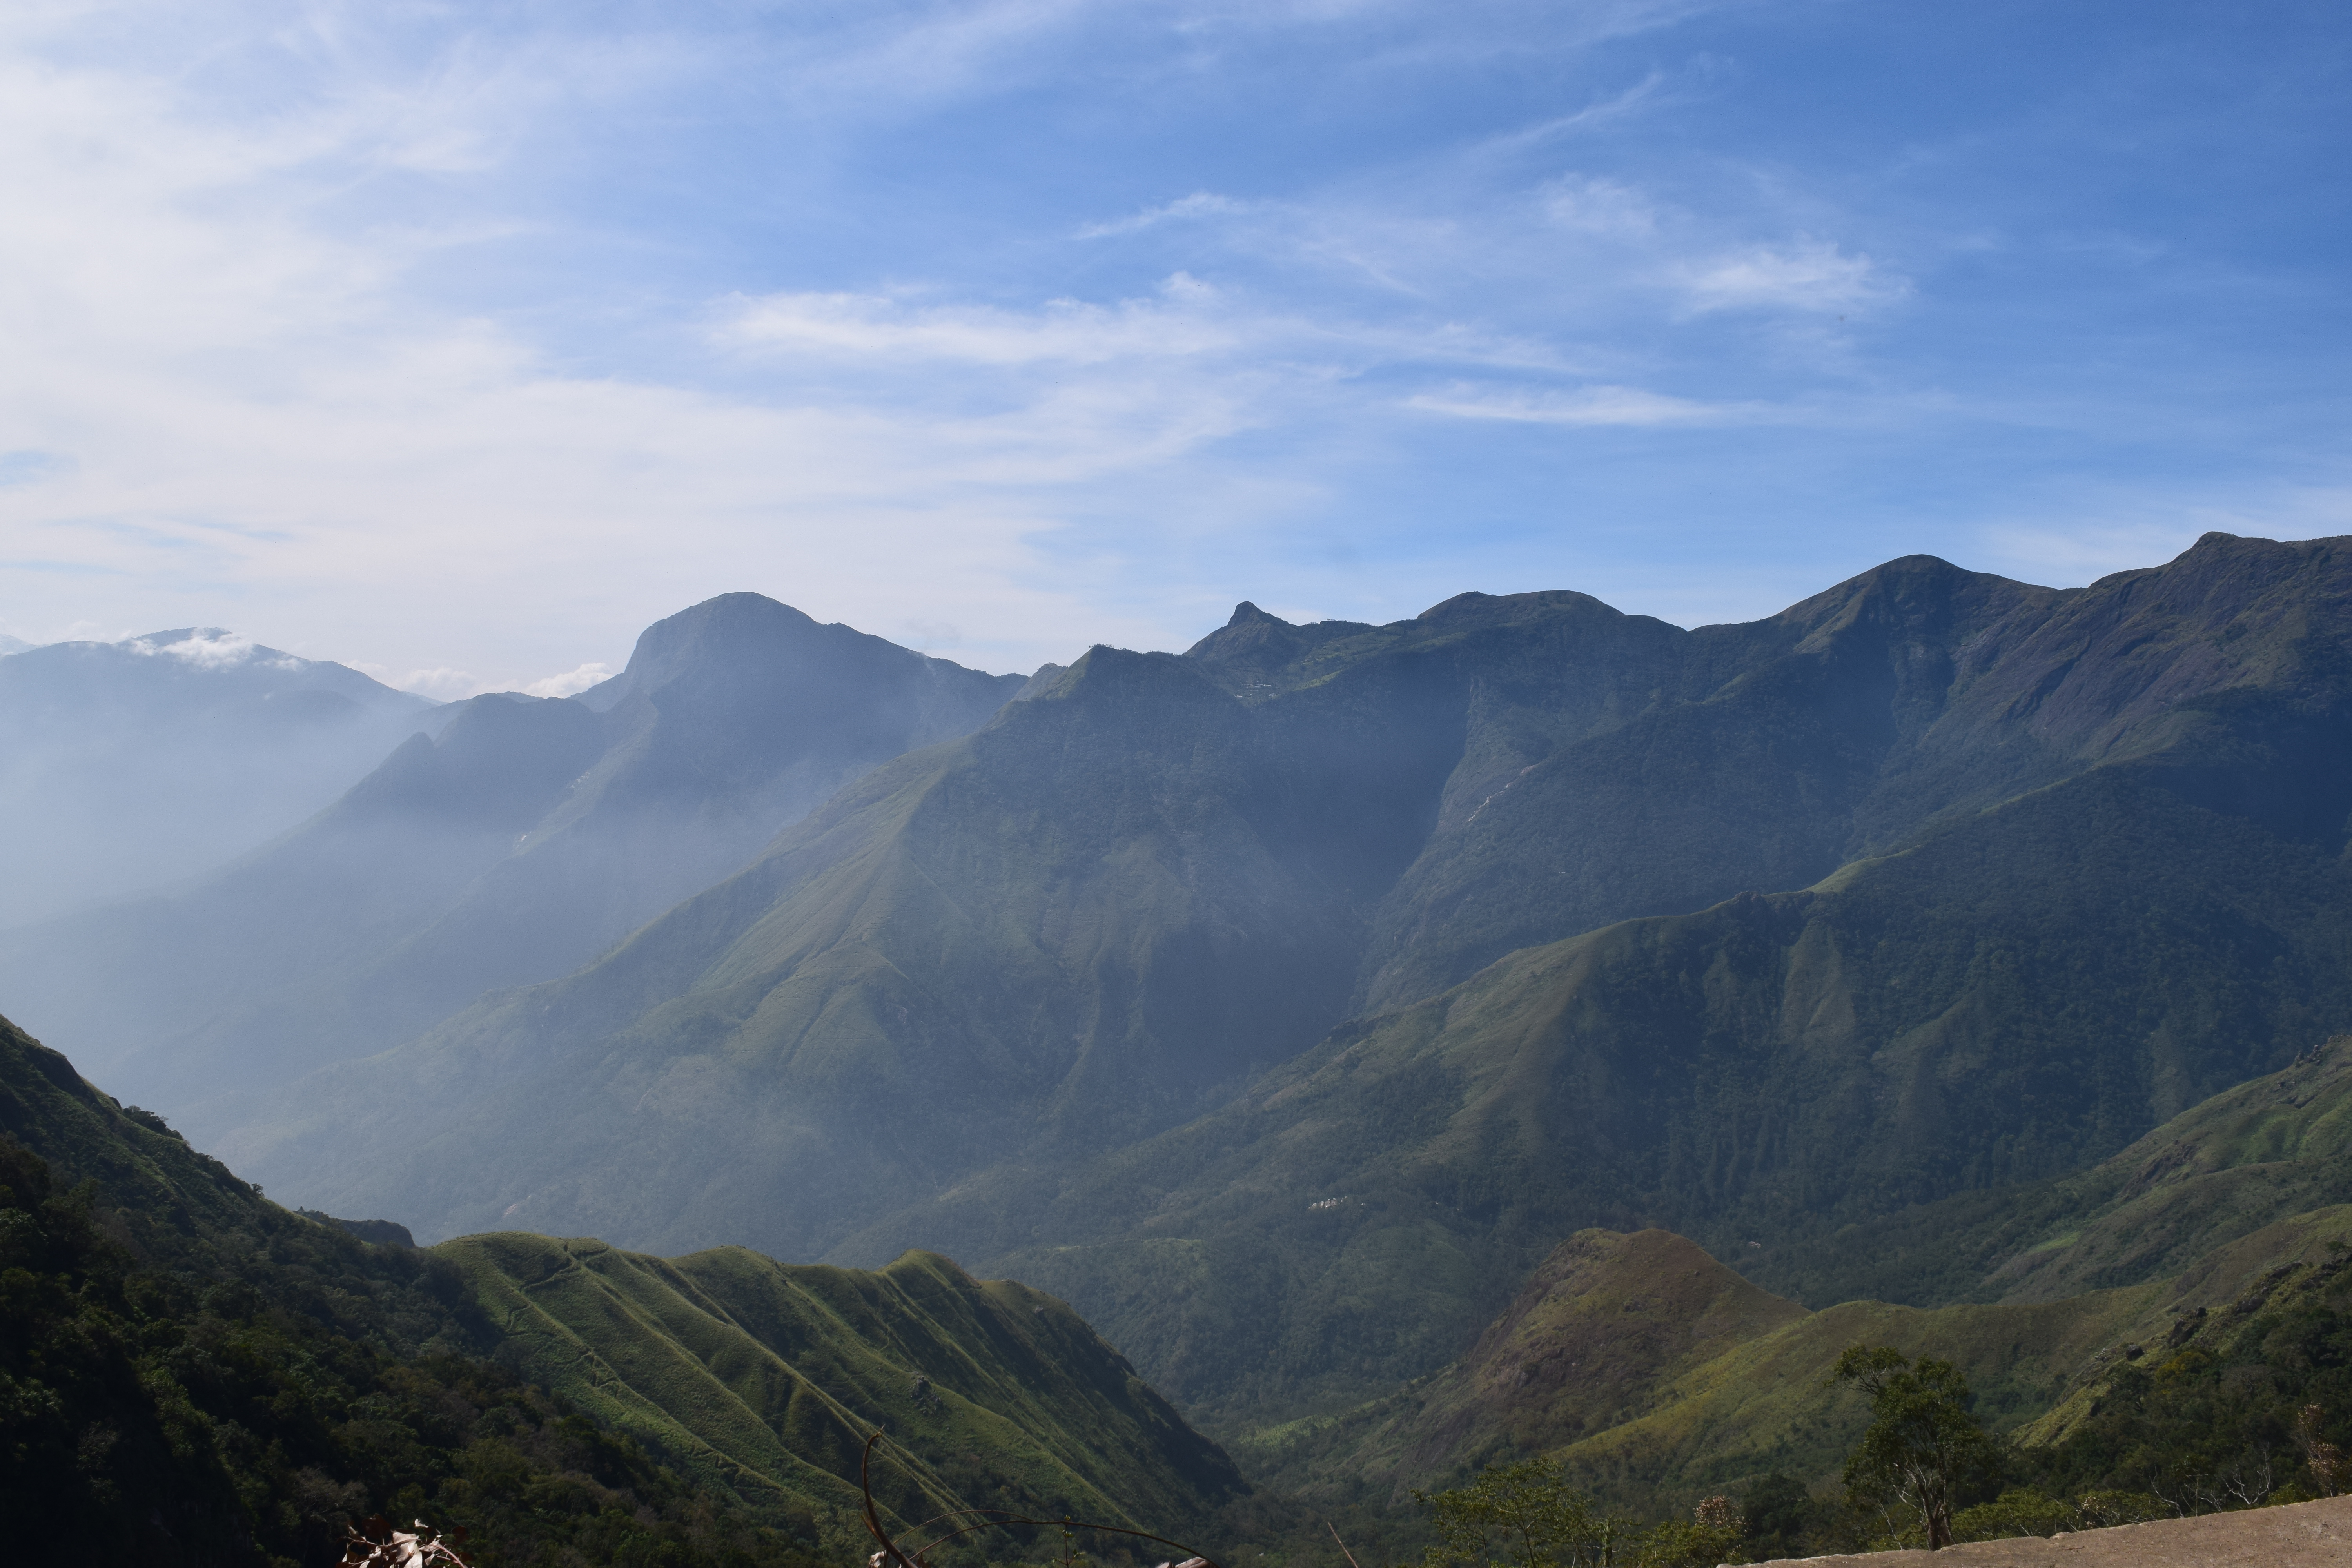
(191, 1374)
(765, 1378)
(247, 1378)
(2039, 1369)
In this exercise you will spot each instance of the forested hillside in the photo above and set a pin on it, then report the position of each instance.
(250, 1379)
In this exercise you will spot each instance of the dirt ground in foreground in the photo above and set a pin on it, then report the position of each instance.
(2300, 1535)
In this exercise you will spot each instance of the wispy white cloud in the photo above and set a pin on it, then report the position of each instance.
(1808, 275)
(1199, 205)
(1595, 406)
(442, 683)
(1642, 94)
(571, 683)
(381, 322)
(209, 648)
(1183, 321)
(1585, 203)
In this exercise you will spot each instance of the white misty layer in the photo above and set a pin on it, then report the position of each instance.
(211, 647)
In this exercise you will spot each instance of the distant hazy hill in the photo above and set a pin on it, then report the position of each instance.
(254, 1372)
(2073, 862)
(525, 838)
(125, 766)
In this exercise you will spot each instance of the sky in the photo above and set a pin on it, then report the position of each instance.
(460, 342)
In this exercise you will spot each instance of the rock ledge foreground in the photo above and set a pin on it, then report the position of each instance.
(2299, 1535)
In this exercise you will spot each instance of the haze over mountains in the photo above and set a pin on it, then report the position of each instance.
(1095, 918)
(526, 837)
(131, 764)
(1282, 1004)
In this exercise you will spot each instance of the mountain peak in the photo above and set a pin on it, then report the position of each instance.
(1246, 614)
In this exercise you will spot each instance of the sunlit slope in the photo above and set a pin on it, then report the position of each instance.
(767, 1379)
(1771, 1404)
(1652, 1368)
(2269, 1148)
(1594, 1335)
(1657, 1374)
(1651, 1364)
(1755, 1072)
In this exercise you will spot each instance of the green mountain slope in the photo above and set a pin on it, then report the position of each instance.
(2267, 1149)
(1594, 1333)
(194, 1375)
(245, 1378)
(2038, 1369)
(1658, 1375)
(1079, 924)
(1762, 756)
(1657, 1370)
(1759, 1071)
(766, 1379)
(1096, 918)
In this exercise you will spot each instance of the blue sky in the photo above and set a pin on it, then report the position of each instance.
(460, 341)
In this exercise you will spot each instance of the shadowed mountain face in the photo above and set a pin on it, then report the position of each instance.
(1763, 1071)
(2270, 1149)
(129, 765)
(528, 836)
(2092, 849)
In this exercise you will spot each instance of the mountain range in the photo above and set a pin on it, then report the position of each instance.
(522, 839)
(1288, 1004)
(1515, 917)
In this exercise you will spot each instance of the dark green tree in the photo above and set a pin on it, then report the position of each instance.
(1924, 1449)
(1781, 1516)
(1516, 1515)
